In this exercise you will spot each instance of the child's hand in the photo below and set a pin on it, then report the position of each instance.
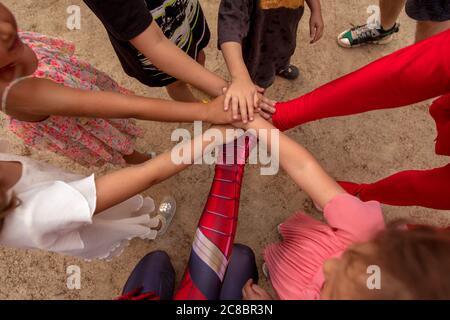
(266, 107)
(254, 292)
(242, 95)
(217, 115)
(316, 26)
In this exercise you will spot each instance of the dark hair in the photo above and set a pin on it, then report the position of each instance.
(414, 264)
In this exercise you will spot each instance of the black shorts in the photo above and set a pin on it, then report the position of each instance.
(428, 10)
(195, 37)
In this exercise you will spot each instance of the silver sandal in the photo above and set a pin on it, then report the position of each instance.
(165, 213)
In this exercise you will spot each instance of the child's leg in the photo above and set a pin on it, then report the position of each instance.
(428, 188)
(413, 74)
(389, 12)
(426, 29)
(242, 268)
(180, 91)
(423, 188)
(201, 57)
(136, 158)
(440, 111)
(215, 234)
(153, 274)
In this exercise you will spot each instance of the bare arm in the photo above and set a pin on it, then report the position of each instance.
(316, 24)
(301, 166)
(121, 185)
(44, 97)
(242, 93)
(168, 57)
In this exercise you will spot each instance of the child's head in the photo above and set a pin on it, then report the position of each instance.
(410, 264)
(11, 47)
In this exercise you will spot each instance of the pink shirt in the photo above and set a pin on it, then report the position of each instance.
(296, 263)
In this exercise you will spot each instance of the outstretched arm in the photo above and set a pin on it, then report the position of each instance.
(301, 165)
(44, 97)
(169, 58)
(243, 96)
(123, 184)
(410, 75)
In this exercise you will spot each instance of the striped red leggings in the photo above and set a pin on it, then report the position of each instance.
(413, 74)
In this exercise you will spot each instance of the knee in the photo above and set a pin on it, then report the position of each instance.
(156, 259)
(440, 108)
(243, 253)
(175, 85)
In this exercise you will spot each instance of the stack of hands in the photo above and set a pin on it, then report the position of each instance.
(240, 103)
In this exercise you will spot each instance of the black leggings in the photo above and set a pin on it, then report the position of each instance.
(155, 273)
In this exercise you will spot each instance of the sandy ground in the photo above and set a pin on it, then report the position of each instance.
(359, 148)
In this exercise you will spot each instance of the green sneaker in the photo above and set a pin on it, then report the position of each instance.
(361, 35)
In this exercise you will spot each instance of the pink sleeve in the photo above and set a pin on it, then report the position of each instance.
(362, 220)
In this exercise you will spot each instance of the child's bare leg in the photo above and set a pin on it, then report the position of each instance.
(426, 29)
(179, 91)
(136, 158)
(201, 58)
(389, 12)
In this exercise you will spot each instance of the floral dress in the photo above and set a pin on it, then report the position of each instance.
(87, 141)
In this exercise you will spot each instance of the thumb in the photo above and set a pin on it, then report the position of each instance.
(260, 90)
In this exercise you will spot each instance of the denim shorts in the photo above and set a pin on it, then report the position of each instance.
(428, 10)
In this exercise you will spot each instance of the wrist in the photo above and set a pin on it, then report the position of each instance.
(241, 76)
(205, 112)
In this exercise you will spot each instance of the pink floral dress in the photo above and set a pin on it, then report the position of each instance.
(85, 140)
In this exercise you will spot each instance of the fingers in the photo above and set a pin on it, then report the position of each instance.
(243, 109)
(256, 100)
(316, 34)
(251, 107)
(226, 103)
(316, 31)
(260, 90)
(258, 289)
(320, 33)
(265, 115)
(247, 290)
(313, 33)
(235, 107)
(267, 105)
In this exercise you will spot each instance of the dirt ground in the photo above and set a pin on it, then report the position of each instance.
(359, 148)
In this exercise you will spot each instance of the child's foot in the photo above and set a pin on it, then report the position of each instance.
(361, 35)
(290, 72)
(166, 212)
